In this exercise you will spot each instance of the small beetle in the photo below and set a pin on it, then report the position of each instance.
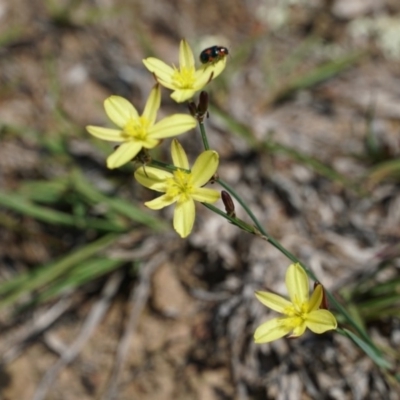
(213, 54)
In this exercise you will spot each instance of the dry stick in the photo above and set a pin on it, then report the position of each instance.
(236, 329)
(38, 326)
(93, 319)
(137, 301)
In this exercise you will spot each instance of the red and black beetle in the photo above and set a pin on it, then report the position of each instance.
(213, 54)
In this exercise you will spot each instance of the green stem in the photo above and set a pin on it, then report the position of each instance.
(235, 221)
(294, 259)
(165, 166)
(243, 204)
(287, 253)
(204, 136)
(261, 229)
(264, 234)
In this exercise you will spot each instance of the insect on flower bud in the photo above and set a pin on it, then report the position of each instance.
(324, 304)
(228, 203)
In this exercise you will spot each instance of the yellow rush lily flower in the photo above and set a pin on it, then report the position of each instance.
(187, 80)
(182, 186)
(299, 313)
(138, 131)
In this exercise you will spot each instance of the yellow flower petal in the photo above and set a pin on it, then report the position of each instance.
(320, 321)
(112, 135)
(216, 68)
(186, 59)
(298, 330)
(152, 105)
(316, 299)
(205, 195)
(205, 167)
(179, 187)
(270, 330)
(182, 95)
(167, 85)
(171, 126)
(186, 80)
(219, 67)
(179, 157)
(124, 153)
(150, 143)
(273, 301)
(184, 216)
(160, 202)
(153, 178)
(162, 70)
(203, 76)
(297, 284)
(299, 314)
(119, 110)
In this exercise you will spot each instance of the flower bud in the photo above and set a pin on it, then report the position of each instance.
(202, 108)
(192, 108)
(228, 203)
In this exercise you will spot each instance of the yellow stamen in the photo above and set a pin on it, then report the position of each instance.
(180, 186)
(136, 128)
(184, 78)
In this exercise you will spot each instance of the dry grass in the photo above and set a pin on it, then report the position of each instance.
(305, 119)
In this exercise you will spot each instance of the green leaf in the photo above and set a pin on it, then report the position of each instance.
(117, 205)
(319, 74)
(77, 276)
(375, 355)
(384, 171)
(51, 216)
(270, 146)
(33, 280)
(48, 192)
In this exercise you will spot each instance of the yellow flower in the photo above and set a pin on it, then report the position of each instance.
(182, 186)
(186, 80)
(138, 131)
(298, 314)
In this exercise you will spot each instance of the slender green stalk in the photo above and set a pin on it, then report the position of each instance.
(261, 232)
(204, 136)
(235, 221)
(233, 193)
(293, 258)
(165, 166)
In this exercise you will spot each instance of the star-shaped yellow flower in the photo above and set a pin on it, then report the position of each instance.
(186, 80)
(138, 131)
(182, 186)
(298, 314)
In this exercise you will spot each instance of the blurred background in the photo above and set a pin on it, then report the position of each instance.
(100, 298)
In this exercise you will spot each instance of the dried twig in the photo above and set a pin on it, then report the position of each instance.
(92, 321)
(38, 326)
(138, 299)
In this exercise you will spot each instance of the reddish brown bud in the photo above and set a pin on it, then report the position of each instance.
(200, 111)
(202, 108)
(228, 203)
(192, 108)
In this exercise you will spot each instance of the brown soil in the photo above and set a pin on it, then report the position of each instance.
(180, 325)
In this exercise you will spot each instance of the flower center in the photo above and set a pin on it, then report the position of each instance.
(180, 186)
(184, 78)
(297, 309)
(295, 315)
(136, 128)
